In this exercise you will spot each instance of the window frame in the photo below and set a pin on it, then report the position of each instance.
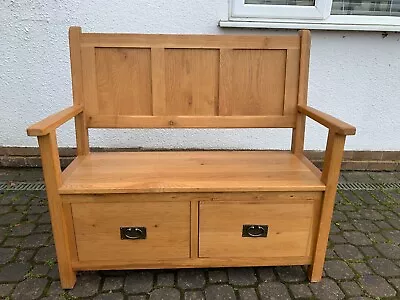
(276, 19)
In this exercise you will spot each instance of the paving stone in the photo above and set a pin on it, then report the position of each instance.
(300, 291)
(338, 270)
(113, 283)
(137, 297)
(351, 288)
(384, 267)
(165, 293)
(395, 282)
(354, 215)
(330, 254)
(394, 222)
(217, 276)
(357, 177)
(273, 290)
(35, 240)
(43, 228)
(345, 226)
(334, 228)
(13, 242)
(29, 289)
(366, 197)
(31, 218)
(25, 255)
(138, 282)
(371, 214)
(357, 238)
(348, 252)
(376, 237)
(165, 279)
(194, 295)
(4, 209)
(5, 289)
(37, 209)
(23, 198)
(14, 272)
(383, 176)
(266, 274)
(248, 294)
(45, 254)
(360, 298)
(392, 235)
(338, 216)
(6, 254)
(361, 268)
(352, 198)
(376, 286)
(345, 207)
(365, 226)
(327, 289)
(11, 218)
(220, 292)
(22, 229)
(44, 218)
(241, 276)
(86, 285)
(369, 251)
(55, 289)
(291, 274)
(109, 296)
(388, 250)
(383, 225)
(20, 208)
(191, 279)
(336, 239)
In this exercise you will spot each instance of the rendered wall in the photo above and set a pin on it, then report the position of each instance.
(353, 75)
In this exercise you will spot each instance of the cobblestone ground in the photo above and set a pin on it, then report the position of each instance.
(363, 258)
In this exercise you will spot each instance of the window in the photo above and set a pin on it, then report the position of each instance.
(379, 15)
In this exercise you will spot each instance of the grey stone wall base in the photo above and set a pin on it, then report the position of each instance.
(16, 157)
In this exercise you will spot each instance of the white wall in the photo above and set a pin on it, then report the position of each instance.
(354, 75)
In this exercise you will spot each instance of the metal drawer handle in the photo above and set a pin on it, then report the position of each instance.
(255, 231)
(133, 233)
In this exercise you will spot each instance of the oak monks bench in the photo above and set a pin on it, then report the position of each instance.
(189, 209)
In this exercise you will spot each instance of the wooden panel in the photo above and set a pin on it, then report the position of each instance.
(289, 229)
(190, 41)
(103, 121)
(167, 224)
(271, 197)
(256, 83)
(123, 81)
(191, 263)
(191, 81)
(197, 171)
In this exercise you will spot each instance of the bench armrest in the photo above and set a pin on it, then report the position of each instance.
(332, 123)
(50, 123)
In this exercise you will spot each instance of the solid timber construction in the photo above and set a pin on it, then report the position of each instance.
(189, 209)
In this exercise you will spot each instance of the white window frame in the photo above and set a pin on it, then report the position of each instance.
(298, 17)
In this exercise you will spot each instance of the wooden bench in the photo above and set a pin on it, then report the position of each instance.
(194, 208)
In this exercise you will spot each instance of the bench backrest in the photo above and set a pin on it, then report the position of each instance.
(180, 81)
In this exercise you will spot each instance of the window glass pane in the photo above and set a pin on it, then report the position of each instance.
(282, 2)
(366, 7)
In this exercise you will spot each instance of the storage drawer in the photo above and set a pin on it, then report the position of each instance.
(99, 237)
(288, 228)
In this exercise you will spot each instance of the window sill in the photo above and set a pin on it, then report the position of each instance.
(354, 23)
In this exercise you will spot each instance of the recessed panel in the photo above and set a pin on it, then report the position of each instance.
(191, 77)
(253, 82)
(123, 81)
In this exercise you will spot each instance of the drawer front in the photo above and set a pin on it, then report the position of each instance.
(98, 230)
(281, 229)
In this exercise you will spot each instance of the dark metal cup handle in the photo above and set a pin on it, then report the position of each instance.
(255, 230)
(133, 233)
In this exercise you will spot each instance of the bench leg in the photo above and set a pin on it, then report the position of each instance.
(52, 176)
(330, 176)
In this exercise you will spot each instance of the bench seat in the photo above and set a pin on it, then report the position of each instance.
(194, 171)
